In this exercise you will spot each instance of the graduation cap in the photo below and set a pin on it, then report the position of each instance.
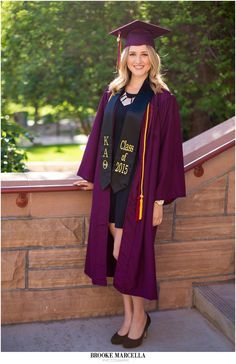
(137, 33)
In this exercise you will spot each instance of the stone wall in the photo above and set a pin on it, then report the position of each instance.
(44, 245)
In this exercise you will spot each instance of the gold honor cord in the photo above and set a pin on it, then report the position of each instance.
(139, 212)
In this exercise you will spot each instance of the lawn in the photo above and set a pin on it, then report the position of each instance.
(57, 153)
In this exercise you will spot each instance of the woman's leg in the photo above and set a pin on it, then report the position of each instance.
(117, 235)
(128, 313)
(134, 312)
(127, 300)
(138, 319)
(112, 229)
(117, 241)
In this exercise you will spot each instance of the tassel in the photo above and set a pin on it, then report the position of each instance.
(118, 52)
(139, 208)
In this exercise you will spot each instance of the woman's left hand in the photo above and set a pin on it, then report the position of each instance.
(157, 214)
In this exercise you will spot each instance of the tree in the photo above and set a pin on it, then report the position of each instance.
(59, 53)
(12, 158)
(199, 53)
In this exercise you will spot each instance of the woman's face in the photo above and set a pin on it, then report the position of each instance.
(138, 60)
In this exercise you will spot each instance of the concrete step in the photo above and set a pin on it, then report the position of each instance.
(181, 330)
(217, 303)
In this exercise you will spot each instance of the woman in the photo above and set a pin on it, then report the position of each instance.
(133, 162)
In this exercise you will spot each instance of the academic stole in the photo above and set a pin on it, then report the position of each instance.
(119, 174)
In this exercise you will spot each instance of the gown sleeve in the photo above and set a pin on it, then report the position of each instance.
(171, 177)
(88, 163)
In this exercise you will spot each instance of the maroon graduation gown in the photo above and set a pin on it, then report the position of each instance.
(134, 272)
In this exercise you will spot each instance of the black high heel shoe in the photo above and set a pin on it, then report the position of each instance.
(118, 339)
(133, 343)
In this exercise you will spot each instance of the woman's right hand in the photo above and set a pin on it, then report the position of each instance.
(84, 185)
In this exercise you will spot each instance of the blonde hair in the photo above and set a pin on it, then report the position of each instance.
(155, 77)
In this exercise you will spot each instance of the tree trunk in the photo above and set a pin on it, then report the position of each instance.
(36, 117)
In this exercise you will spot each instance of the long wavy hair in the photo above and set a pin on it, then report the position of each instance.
(155, 76)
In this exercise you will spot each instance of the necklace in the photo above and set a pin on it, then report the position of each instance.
(126, 100)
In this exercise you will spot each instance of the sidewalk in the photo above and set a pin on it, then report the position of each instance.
(182, 330)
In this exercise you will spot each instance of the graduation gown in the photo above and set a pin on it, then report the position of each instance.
(135, 271)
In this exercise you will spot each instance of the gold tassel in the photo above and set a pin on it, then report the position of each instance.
(141, 208)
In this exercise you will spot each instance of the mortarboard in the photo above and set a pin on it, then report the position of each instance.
(137, 33)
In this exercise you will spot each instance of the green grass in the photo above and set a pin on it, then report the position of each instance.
(57, 153)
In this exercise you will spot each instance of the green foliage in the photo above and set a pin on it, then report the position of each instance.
(59, 54)
(199, 53)
(12, 157)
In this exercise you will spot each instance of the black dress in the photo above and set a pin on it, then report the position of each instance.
(119, 199)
